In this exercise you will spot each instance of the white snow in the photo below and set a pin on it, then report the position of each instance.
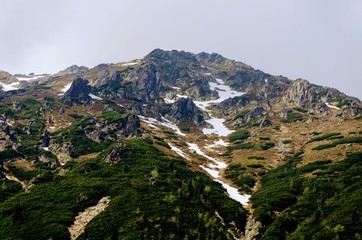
(171, 125)
(29, 77)
(94, 97)
(234, 193)
(178, 151)
(176, 88)
(182, 96)
(166, 123)
(130, 63)
(9, 87)
(331, 106)
(2, 121)
(195, 147)
(150, 121)
(218, 143)
(218, 127)
(266, 80)
(169, 100)
(65, 88)
(46, 148)
(213, 173)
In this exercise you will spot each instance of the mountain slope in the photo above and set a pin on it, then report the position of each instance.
(179, 142)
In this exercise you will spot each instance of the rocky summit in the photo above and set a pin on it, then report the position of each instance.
(177, 145)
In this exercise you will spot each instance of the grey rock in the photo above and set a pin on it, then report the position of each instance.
(301, 94)
(72, 70)
(184, 110)
(61, 110)
(117, 154)
(78, 92)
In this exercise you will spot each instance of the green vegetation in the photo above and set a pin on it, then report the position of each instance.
(239, 135)
(30, 136)
(287, 141)
(256, 157)
(324, 137)
(8, 188)
(76, 116)
(236, 173)
(264, 138)
(75, 135)
(111, 116)
(325, 205)
(341, 141)
(300, 110)
(293, 117)
(241, 146)
(255, 165)
(28, 108)
(178, 203)
(267, 145)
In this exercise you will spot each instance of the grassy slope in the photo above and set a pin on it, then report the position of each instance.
(180, 203)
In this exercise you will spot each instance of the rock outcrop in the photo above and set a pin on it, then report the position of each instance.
(184, 110)
(301, 94)
(74, 69)
(117, 154)
(78, 92)
(7, 78)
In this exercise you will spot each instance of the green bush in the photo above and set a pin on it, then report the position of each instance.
(267, 145)
(255, 165)
(256, 158)
(177, 202)
(241, 146)
(316, 207)
(325, 136)
(239, 135)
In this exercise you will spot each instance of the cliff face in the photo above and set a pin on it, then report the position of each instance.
(78, 92)
(185, 111)
(301, 94)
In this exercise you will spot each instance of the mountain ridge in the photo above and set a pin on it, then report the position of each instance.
(187, 129)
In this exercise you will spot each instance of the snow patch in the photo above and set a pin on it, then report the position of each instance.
(94, 97)
(169, 124)
(9, 87)
(331, 106)
(234, 193)
(195, 147)
(218, 127)
(46, 149)
(29, 77)
(169, 100)
(178, 151)
(213, 173)
(218, 143)
(64, 89)
(130, 63)
(166, 123)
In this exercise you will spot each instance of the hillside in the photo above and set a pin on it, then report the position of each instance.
(177, 146)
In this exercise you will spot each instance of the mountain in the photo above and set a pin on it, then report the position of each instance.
(177, 145)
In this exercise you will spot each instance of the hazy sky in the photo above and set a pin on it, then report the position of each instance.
(319, 40)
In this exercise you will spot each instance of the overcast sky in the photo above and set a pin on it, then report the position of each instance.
(319, 40)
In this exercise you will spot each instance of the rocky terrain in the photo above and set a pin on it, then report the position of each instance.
(257, 156)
